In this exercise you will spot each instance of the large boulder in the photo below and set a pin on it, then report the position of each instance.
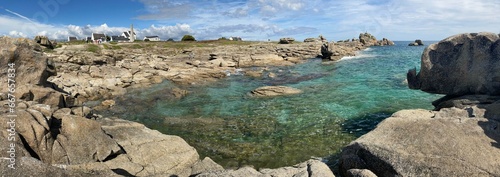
(385, 42)
(44, 41)
(31, 67)
(148, 152)
(270, 91)
(367, 39)
(451, 142)
(61, 138)
(459, 65)
(326, 50)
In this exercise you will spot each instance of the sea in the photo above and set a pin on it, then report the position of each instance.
(341, 101)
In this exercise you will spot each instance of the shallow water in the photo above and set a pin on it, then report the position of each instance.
(341, 101)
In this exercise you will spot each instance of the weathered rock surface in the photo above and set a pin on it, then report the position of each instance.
(310, 168)
(148, 152)
(286, 40)
(29, 166)
(360, 173)
(417, 42)
(31, 67)
(368, 39)
(269, 91)
(44, 41)
(451, 142)
(460, 65)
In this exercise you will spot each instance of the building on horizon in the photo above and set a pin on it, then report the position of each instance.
(151, 38)
(119, 39)
(127, 34)
(72, 39)
(98, 37)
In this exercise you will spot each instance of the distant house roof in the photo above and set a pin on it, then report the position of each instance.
(151, 36)
(119, 38)
(96, 36)
(72, 38)
(127, 33)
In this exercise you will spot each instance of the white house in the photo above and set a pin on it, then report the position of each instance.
(127, 35)
(98, 37)
(152, 38)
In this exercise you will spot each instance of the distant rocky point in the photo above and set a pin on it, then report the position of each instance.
(417, 42)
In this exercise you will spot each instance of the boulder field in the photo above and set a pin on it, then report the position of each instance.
(50, 133)
(56, 135)
(461, 137)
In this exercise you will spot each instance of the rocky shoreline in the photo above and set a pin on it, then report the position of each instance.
(59, 136)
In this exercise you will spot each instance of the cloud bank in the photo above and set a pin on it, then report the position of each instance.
(263, 19)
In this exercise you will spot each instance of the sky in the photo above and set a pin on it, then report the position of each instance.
(250, 19)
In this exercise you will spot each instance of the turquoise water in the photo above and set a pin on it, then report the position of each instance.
(341, 101)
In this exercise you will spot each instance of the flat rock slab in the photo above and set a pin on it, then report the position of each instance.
(270, 91)
(428, 143)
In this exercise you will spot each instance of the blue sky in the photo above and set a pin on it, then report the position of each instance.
(250, 19)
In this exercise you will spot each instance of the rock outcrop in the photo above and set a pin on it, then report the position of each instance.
(311, 168)
(286, 40)
(460, 138)
(451, 142)
(368, 39)
(68, 140)
(460, 65)
(417, 42)
(270, 91)
(44, 41)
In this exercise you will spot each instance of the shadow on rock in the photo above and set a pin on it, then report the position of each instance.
(492, 126)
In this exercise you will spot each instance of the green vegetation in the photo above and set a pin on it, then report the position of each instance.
(188, 38)
(170, 40)
(93, 48)
(112, 47)
(222, 38)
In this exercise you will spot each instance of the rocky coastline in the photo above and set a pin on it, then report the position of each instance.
(57, 135)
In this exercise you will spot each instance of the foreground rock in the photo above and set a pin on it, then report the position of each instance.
(311, 168)
(459, 65)
(60, 138)
(451, 142)
(270, 91)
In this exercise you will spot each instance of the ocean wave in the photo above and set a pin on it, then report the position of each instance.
(358, 56)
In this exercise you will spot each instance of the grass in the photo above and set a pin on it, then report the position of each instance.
(93, 48)
(112, 47)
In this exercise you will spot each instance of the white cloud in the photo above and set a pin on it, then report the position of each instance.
(262, 19)
(18, 27)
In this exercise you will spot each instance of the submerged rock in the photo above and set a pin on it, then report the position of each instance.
(459, 65)
(269, 91)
